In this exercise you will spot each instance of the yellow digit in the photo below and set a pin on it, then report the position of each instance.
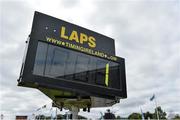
(107, 75)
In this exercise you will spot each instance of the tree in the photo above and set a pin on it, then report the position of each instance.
(176, 117)
(148, 115)
(40, 117)
(118, 117)
(162, 114)
(135, 116)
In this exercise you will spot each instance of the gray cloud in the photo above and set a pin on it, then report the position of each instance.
(146, 34)
(14, 16)
(15, 23)
(70, 3)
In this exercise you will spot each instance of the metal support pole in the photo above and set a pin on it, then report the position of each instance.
(156, 109)
(74, 111)
(56, 113)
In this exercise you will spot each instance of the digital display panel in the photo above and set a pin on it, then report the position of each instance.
(57, 62)
(63, 56)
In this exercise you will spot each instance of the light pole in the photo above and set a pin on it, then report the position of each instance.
(156, 109)
(56, 113)
(157, 113)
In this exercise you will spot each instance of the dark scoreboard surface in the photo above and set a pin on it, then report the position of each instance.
(46, 26)
(64, 56)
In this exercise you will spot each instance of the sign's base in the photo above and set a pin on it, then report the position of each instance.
(64, 99)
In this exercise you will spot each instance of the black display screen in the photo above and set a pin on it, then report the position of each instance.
(67, 57)
(58, 62)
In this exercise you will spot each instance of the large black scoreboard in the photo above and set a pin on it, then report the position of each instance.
(64, 56)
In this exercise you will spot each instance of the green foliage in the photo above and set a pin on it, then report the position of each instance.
(40, 117)
(176, 117)
(148, 115)
(118, 117)
(162, 114)
(135, 116)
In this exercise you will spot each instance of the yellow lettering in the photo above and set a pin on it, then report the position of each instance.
(63, 30)
(83, 38)
(78, 37)
(92, 42)
(74, 36)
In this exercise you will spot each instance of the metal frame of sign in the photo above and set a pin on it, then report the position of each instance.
(28, 79)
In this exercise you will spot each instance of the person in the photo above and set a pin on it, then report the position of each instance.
(109, 115)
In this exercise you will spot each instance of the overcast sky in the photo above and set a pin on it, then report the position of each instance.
(146, 33)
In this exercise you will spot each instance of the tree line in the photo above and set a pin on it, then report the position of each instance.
(148, 115)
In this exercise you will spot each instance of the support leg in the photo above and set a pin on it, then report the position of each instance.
(74, 111)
